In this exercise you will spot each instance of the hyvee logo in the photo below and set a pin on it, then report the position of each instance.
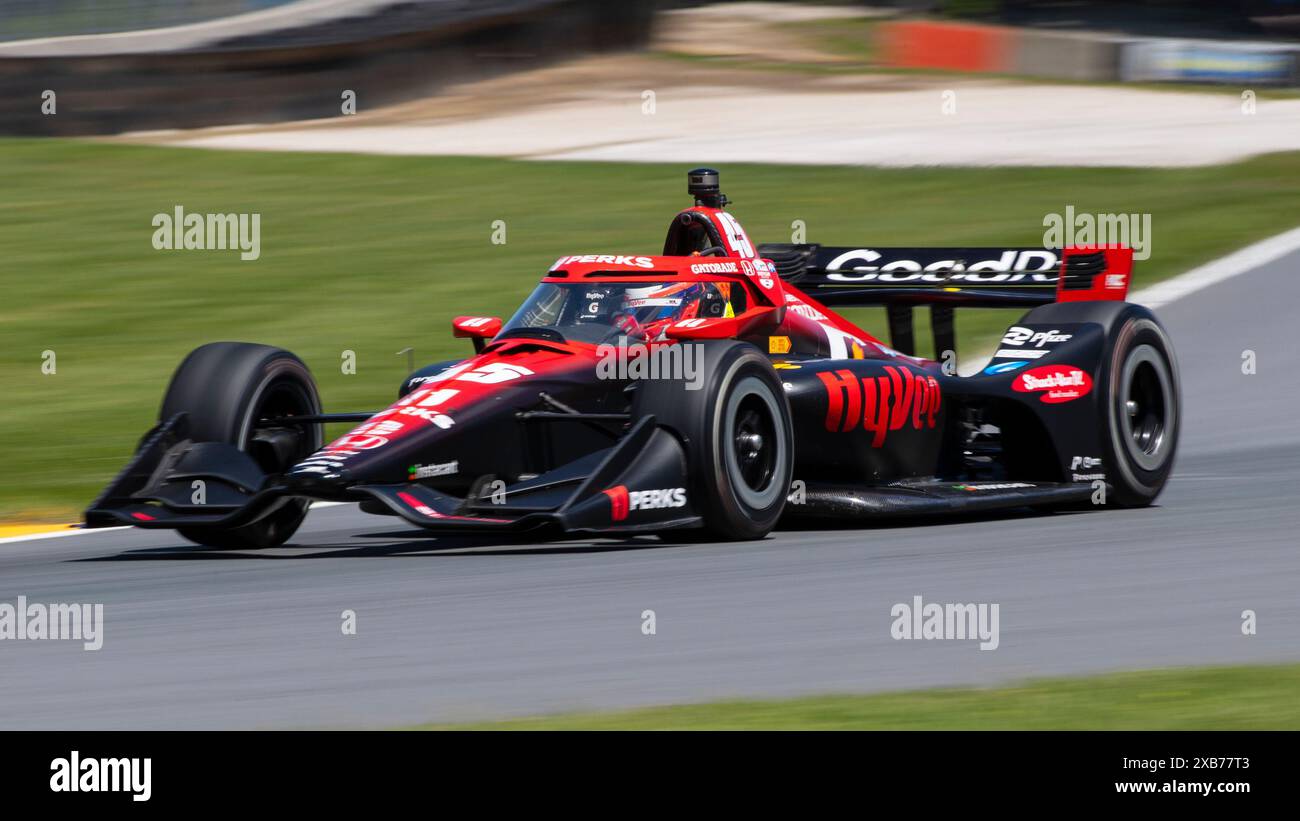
(622, 500)
(1056, 383)
(75, 774)
(1017, 335)
(1009, 266)
(882, 403)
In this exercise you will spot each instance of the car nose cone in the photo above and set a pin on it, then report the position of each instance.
(315, 480)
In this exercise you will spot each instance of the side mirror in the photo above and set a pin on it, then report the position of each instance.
(478, 328)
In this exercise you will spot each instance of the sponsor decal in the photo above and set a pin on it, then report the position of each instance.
(667, 301)
(1011, 266)
(622, 501)
(1005, 367)
(879, 404)
(786, 366)
(994, 486)
(803, 309)
(1085, 463)
(605, 259)
(779, 344)
(442, 420)
(734, 234)
(358, 442)
(415, 472)
(1027, 353)
(715, 268)
(747, 267)
(366, 436)
(842, 345)
(656, 499)
(1017, 335)
(1054, 383)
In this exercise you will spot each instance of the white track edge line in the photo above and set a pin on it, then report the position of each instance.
(57, 534)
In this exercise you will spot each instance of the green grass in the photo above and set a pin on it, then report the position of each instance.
(373, 254)
(1222, 698)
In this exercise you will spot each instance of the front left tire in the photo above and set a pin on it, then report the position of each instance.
(735, 426)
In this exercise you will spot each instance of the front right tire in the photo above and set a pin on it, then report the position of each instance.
(227, 390)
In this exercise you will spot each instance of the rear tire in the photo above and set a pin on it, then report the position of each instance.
(1140, 407)
(226, 389)
(1140, 432)
(737, 434)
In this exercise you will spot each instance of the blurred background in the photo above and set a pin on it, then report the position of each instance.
(388, 145)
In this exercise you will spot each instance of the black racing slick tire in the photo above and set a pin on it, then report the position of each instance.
(733, 420)
(1143, 406)
(1140, 407)
(226, 390)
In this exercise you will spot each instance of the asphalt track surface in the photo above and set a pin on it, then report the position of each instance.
(451, 630)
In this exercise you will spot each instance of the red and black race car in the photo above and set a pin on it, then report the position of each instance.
(708, 388)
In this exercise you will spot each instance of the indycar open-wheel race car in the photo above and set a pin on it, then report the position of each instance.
(709, 388)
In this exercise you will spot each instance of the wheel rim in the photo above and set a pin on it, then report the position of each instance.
(276, 447)
(754, 450)
(754, 443)
(1145, 406)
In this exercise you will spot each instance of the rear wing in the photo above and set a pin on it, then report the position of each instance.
(948, 278)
